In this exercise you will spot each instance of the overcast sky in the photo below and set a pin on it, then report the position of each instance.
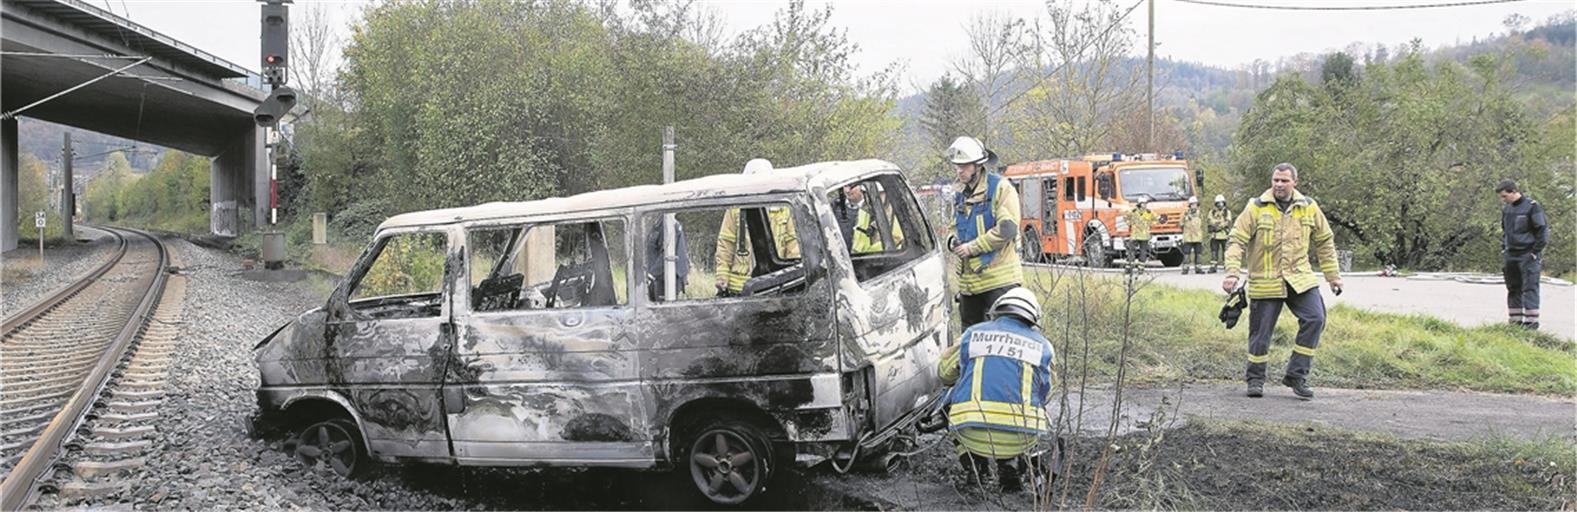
(925, 36)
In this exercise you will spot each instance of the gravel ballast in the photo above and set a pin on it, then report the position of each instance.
(26, 282)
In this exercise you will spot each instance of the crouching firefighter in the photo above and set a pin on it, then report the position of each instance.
(1000, 373)
(986, 217)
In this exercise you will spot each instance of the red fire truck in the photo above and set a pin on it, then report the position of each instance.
(1075, 209)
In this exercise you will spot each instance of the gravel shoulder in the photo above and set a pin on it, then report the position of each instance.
(25, 280)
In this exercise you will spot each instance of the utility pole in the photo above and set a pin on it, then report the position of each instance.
(669, 270)
(68, 197)
(1149, 86)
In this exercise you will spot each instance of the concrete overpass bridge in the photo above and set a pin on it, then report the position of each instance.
(169, 94)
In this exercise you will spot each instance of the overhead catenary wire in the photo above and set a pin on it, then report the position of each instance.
(1384, 7)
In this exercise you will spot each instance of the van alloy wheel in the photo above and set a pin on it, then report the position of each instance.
(730, 463)
(334, 443)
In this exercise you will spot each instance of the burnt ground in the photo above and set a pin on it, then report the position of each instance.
(1216, 465)
(1206, 464)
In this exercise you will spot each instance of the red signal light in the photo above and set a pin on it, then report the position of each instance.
(274, 60)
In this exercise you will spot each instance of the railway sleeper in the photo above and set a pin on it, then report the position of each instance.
(94, 469)
(113, 449)
(78, 490)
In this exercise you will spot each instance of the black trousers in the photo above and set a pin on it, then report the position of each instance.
(1522, 287)
(1192, 248)
(1218, 248)
(1140, 251)
(972, 309)
(1309, 307)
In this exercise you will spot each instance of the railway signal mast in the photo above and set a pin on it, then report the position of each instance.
(281, 98)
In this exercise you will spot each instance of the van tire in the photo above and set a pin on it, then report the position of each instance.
(728, 461)
(336, 443)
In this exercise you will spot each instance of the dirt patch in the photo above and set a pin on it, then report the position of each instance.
(1215, 465)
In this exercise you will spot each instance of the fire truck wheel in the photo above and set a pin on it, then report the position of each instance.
(1031, 246)
(1095, 254)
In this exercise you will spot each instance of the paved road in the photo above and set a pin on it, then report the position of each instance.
(1435, 415)
(1460, 302)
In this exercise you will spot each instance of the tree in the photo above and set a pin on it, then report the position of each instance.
(951, 111)
(998, 47)
(1404, 162)
(1337, 69)
(32, 194)
(104, 199)
(1077, 108)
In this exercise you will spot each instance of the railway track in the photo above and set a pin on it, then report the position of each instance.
(69, 353)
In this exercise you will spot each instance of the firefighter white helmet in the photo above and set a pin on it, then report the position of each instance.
(1221, 198)
(758, 166)
(967, 150)
(1019, 302)
(1193, 200)
(1143, 200)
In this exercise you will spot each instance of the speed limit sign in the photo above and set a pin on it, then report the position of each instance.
(38, 219)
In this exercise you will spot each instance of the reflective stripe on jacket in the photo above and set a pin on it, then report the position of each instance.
(866, 237)
(978, 220)
(1002, 370)
(1193, 225)
(1276, 245)
(734, 258)
(1220, 223)
(1139, 222)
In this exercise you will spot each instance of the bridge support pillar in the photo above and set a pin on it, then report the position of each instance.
(239, 193)
(8, 176)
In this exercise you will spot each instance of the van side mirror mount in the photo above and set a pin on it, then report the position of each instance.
(1103, 186)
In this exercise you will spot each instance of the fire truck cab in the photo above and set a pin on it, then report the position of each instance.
(1076, 209)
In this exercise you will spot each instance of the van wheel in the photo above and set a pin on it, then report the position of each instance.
(730, 461)
(334, 443)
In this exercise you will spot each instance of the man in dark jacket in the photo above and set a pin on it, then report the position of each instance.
(1524, 233)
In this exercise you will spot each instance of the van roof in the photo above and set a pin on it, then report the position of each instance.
(731, 184)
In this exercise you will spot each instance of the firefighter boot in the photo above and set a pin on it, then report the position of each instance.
(1212, 269)
(1185, 270)
(1009, 476)
(1299, 387)
(1198, 270)
(975, 469)
(1256, 388)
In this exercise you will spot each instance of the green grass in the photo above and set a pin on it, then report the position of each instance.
(1176, 336)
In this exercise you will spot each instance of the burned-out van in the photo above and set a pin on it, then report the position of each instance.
(574, 332)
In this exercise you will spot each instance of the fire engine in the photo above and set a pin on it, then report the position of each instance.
(1077, 208)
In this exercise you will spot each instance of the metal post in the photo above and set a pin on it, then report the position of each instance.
(273, 175)
(68, 200)
(1149, 86)
(669, 265)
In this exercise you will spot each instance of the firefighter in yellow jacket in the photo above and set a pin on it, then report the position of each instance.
(1140, 220)
(986, 219)
(1000, 373)
(1220, 220)
(866, 238)
(1193, 235)
(734, 260)
(1273, 236)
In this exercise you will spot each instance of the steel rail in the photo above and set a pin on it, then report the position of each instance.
(19, 485)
